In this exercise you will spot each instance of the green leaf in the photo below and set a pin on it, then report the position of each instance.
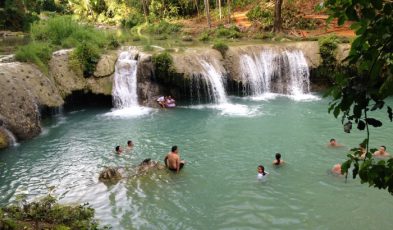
(361, 125)
(390, 113)
(373, 122)
(336, 111)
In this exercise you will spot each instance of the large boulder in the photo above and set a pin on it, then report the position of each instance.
(106, 65)
(23, 90)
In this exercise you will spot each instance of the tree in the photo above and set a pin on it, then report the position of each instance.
(229, 11)
(362, 87)
(207, 8)
(277, 28)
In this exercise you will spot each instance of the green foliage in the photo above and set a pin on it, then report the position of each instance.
(221, 47)
(328, 51)
(163, 65)
(204, 36)
(47, 212)
(163, 27)
(357, 95)
(16, 15)
(132, 20)
(263, 16)
(292, 18)
(85, 57)
(231, 32)
(38, 53)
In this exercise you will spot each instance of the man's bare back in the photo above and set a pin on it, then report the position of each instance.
(172, 160)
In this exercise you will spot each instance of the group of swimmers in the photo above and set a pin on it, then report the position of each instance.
(261, 170)
(172, 159)
(166, 102)
(380, 153)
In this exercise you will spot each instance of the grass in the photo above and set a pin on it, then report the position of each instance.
(63, 32)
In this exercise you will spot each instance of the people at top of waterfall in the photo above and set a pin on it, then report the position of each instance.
(261, 172)
(172, 160)
(333, 143)
(130, 145)
(170, 102)
(161, 101)
(278, 160)
(381, 152)
(118, 149)
(336, 169)
(363, 151)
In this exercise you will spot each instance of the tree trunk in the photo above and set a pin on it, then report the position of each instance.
(219, 8)
(277, 17)
(229, 11)
(145, 9)
(196, 5)
(207, 7)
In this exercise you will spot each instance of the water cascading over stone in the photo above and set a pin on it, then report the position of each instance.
(124, 90)
(208, 82)
(274, 71)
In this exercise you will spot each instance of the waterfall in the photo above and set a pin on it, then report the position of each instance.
(209, 81)
(124, 90)
(270, 71)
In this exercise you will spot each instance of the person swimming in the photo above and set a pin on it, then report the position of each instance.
(381, 152)
(336, 169)
(118, 149)
(172, 160)
(261, 172)
(278, 160)
(130, 145)
(333, 143)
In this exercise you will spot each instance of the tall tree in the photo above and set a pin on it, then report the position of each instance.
(219, 8)
(277, 28)
(207, 8)
(229, 11)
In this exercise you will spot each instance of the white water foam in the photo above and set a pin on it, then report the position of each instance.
(228, 109)
(11, 137)
(135, 111)
(269, 71)
(298, 97)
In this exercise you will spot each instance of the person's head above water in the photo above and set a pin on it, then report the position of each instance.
(278, 158)
(332, 142)
(261, 169)
(129, 143)
(174, 149)
(382, 149)
(118, 149)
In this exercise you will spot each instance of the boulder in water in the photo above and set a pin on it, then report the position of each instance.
(110, 174)
(149, 165)
(4, 139)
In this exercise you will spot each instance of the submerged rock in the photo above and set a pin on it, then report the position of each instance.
(110, 174)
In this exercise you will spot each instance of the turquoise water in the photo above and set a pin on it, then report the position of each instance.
(218, 188)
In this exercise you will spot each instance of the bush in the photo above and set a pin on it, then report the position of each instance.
(231, 32)
(163, 27)
(327, 50)
(47, 212)
(132, 20)
(163, 64)
(38, 53)
(204, 36)
(221, 47)
(85, 57)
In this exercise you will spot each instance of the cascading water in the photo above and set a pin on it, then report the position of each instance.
(269, 71)
(124, 90)
(208, 82)
(11, 138)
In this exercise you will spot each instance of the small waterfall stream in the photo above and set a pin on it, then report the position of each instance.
(271, 71)
(11, 138)
(208, 82)
(124, 90)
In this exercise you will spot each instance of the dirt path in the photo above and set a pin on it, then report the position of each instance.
(241, 19)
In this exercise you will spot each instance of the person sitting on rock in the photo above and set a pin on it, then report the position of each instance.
(170, 102)
(161, 101)
(173, 161)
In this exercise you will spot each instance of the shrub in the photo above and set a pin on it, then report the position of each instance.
(132, 20)
(221, 47)
(163, 64)
(38, 53)
(85, 57)
(48, 212)
(204, 36)
(231, 32)
(327, 50)
(263, 16)
(163, 27)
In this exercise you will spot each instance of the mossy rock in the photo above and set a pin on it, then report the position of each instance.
(4, 140)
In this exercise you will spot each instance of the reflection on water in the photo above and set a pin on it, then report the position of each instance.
(218, 188)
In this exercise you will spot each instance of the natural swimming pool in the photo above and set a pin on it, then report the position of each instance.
(218, 188)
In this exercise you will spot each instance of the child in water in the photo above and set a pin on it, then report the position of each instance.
(261, 172)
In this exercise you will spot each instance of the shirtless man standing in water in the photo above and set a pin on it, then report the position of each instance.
(172, 160)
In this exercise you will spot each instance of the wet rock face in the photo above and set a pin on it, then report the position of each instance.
(4, 140)
(23, 88)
